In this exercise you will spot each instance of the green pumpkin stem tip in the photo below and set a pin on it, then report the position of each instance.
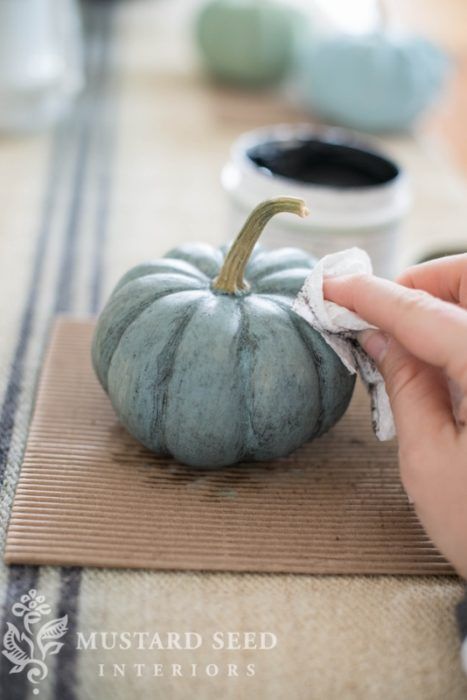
(230, 279)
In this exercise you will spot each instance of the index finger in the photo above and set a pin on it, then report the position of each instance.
(445, 278)
(433, 330)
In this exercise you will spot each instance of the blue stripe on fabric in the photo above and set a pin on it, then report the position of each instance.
(66, 680)
(14, 385)
(22, 578)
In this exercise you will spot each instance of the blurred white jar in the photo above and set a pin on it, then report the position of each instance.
(40, 62)
(356, 195)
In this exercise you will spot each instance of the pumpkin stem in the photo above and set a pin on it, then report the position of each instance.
(230, 279)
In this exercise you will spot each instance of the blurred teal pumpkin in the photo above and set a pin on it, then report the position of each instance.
(377, 82)
(214, 368)
(247, 41)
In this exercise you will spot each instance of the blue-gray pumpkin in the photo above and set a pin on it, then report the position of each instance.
(204, 359)
(375, 82)
(248, 42)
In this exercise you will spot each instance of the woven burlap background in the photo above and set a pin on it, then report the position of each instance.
(133, 171)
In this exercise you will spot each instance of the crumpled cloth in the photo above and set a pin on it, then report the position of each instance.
(339, 327)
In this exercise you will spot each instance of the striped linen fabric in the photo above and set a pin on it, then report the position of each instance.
(131, 172)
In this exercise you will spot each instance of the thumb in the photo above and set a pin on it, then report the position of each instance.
(417, 391)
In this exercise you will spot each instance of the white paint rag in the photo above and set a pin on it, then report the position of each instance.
(339, 328)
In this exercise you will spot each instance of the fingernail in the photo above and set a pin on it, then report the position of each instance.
(375, 343)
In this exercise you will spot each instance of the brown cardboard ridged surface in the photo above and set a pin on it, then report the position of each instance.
(89, 494)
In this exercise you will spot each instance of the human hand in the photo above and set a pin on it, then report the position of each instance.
(421, 343)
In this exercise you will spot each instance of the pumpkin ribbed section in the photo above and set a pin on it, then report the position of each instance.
(213, 378)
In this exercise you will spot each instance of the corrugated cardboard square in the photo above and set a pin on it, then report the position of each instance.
(89, 494)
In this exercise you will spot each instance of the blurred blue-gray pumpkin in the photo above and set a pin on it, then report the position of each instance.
(204, 359)
(377, 82)
(249, 42)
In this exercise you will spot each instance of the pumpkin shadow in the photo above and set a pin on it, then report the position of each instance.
(208, 482)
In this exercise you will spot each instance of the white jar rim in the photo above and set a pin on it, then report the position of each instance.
(338, 208)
